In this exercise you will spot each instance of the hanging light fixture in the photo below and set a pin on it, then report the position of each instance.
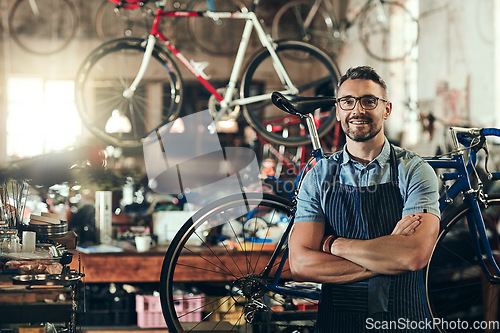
(118, 123)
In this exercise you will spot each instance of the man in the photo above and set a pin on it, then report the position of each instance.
(367, 219)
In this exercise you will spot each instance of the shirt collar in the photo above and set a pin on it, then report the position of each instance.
(381, 159)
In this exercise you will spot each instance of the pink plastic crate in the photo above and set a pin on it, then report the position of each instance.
(188, 307)
(149, 313)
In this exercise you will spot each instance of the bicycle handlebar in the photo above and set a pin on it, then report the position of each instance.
(490, 132)
(466, 136)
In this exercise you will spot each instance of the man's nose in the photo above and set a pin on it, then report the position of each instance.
(358, 109)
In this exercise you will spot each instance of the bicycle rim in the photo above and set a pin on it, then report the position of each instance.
(288, 24)
(458, 293)
(102, 79)
(391, 35)
(310, 70)
(211, 275)
(216, 36)
(47, 31)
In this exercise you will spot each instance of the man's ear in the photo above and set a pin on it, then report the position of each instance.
(388, 110)
(337, 112)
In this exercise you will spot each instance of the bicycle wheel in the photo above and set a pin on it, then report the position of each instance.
(112, 22)
(212, 272)
(43, 26)
(99, 92)
(288, 24)
(216, 36)
(310, 70)
(457, 288)
(388, 31)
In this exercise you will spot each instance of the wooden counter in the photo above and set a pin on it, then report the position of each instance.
(126, 267)
(129, 267)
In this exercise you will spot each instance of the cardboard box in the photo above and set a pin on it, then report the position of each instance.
(167, 223)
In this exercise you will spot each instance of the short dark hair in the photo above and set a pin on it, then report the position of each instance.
(364, 73)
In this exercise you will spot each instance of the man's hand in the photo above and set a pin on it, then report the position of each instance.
(407, 225)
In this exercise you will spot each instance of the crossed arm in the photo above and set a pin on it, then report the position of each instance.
(408, 248)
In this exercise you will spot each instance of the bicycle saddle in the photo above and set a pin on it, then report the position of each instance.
(301, 106)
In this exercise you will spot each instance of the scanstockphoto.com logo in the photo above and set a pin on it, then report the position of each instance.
(458, 325)
(184, 157)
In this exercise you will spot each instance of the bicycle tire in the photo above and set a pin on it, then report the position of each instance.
(311, 71)
(454, 281)
(103, 77)
(126, 22)
(391, 44)
(50, 33)
(220, 304)
(217, 37)
(288, 24)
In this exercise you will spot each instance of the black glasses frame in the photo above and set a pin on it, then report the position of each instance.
(356, 99)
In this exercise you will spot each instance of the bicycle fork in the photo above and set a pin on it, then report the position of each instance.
(129, 92)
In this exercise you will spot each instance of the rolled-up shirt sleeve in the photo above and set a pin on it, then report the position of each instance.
(309, 208)
(422, 194)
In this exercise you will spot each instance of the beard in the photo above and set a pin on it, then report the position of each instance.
(363, 136)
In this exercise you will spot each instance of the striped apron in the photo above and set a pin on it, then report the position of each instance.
(386, 303)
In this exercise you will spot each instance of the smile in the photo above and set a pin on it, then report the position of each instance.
(359, 122)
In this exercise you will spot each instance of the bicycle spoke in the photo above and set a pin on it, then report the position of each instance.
(104, 76)
(242, 300)
(321, 79)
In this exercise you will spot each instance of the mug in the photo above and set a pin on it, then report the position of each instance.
(143, 243)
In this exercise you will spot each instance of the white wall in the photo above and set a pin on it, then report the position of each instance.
(457, 41)
(399, 76)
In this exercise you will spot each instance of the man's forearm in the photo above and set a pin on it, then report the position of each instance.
(392, 254)
(316, 266)
(385, 255)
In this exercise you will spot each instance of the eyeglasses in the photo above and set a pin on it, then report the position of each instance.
(368, 102)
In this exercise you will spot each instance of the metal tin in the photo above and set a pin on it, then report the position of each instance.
(50, 230)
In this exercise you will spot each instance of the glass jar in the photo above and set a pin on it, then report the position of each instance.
(9, 241)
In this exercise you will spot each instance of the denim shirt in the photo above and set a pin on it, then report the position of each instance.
(418, 182)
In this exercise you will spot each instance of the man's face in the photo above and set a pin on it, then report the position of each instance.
(360, 124)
